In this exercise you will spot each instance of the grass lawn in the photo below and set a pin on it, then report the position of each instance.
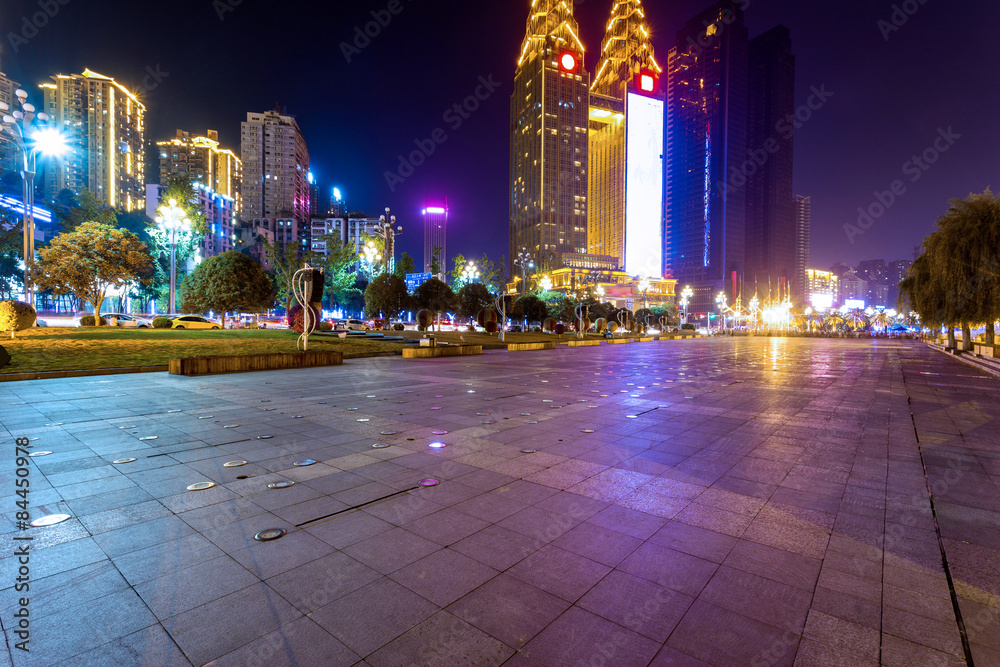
(45, 349)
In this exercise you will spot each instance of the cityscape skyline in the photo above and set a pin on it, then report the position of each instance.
(460, 168)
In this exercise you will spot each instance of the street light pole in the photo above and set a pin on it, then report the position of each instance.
(173, 221)
(388, 234)
(18, 124)
(685, 300)
(524, 261)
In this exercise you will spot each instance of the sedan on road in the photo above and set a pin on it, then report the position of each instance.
(124, 321)
(195, 322)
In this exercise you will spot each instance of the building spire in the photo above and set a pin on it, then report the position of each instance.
(551, 25)
(626, 49)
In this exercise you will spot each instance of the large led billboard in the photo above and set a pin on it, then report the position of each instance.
(644, 186)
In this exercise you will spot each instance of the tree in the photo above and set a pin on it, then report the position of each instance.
(230, 282)
(563, 310)
(386, 296)
(435, 296)
(436, 261)
(455, 277)
(493, 274)
(91, 260)
(472, 298)
(530, 308)
(404, 266)
(73, 210)
(341, 278)
(285, 262)
(11, 274)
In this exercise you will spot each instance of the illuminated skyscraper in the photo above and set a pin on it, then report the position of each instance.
(104, 123)
(435, 235)
(200, 160)
(803, 233)
(548, 147)
(706, 145)
(8, 153)
(626, 147)
(771, 252)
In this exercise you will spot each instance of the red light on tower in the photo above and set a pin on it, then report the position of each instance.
(568, 62)
(647, 82)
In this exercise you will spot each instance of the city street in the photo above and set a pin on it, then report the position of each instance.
(724, 501)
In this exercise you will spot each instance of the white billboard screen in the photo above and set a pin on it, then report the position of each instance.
(644, 187)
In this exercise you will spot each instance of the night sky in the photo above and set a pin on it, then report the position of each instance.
(890, 97)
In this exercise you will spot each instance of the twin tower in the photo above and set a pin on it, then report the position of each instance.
(648, 165)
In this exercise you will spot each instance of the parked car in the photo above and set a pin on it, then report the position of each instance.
(124, 321)
(195, 322)
(351, 325)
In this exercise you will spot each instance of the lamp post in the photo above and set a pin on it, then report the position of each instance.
(754, 305)
(545, 283)
(470, 273)
(721, 302)
(173, 221)
(644, 286)
(388, 230)
(47, 141)
(686, 295)
(525, 262)
(372, 257)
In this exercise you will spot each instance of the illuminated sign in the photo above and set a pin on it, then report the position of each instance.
(854, 304)
(647, 82)
(415, 280)
(822, 301)
(435, 210)
(568, 62)
(644, 187)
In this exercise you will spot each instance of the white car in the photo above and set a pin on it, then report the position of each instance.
(124, 321)
(351, 325)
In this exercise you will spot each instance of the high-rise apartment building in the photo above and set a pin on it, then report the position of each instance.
(548, 149)
(200, 160)
(275, 169)
(767, 169)
(822, 288)
(435, 236)
(104, 124)
(803, 239)
(625, 192)
(706, 145)
(8, 152)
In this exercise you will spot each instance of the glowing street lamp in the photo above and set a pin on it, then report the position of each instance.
(31, 140)
(686, 295)
(600, 292)
(525, 262)
(722, 303)
(754, 307)
(644, 286)
(545, 284)
(372, 257)
(173, 221)
(470, 273)
(388, 230)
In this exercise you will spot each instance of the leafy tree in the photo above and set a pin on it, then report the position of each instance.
(455, 277)
(91, 260)
(230, 282)
(405, 265)
(285, 262)
(493, 274)
(563, 310)
(341, 279)
(73, 210)
(530, 308)
(435, 296)
(11, 247)
(436, 260)
(472, 298)
(386, 295)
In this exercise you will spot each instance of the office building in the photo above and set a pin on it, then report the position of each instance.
(822, 289)
(625, 191)
(548, 148)
(853, 290)
(766, 168)
(275, 170)
(803, 239)
(435, 236)
(8, 152)
(200, 160)
(104, 125)
(706, 144)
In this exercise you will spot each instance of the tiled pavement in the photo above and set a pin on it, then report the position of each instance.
(739, 502)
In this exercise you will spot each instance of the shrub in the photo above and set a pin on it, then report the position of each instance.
(325, 326)
(4, 357)
(687, 327)
(560, 329)
(425, 318)
(16, 316)
(296, 319)
(491, 327)
(88, 321)
(548, 324)
(398, 327)
(162, 323)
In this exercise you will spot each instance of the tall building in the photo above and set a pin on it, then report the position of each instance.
(548, 148)
(853, 288)
(104, 124)
(706, 144)
(200, 160)
(435, 235)
(625, 191)
(822, 289)
(338, 207)
(275, 169)
(803, 239)
(770, 209)
(8, 152)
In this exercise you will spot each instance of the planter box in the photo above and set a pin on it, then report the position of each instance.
(619, 341)
(991, 351)
(194, 366)
(441, 351)
(645, 340)
(526, 347)
(583, 343)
